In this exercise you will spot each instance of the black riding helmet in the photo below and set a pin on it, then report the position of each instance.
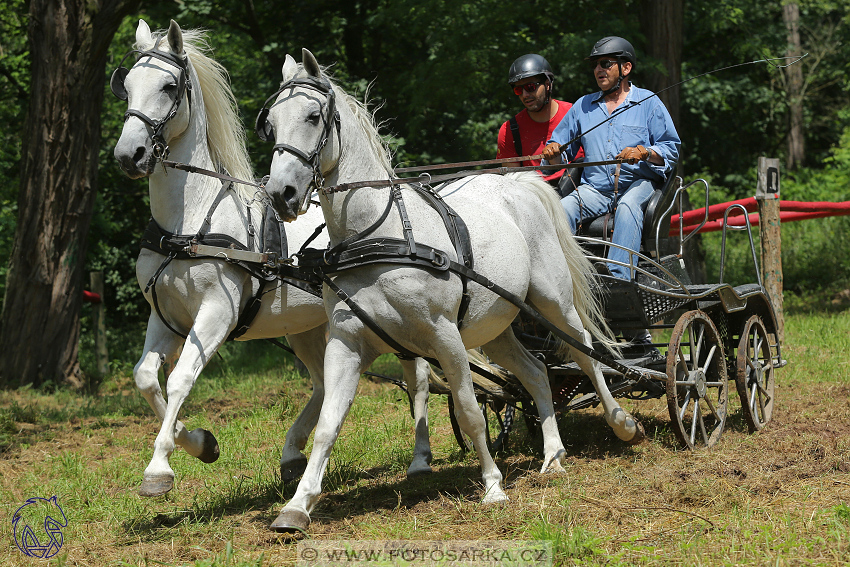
(531, 65)
(617, 47)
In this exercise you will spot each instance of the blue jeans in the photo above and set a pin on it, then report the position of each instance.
(586, 202)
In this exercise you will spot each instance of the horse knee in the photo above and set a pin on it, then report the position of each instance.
(146, 377)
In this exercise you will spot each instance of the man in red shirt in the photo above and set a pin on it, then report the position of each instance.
(526, 134)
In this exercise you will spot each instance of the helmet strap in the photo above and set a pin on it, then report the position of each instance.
(616, 87)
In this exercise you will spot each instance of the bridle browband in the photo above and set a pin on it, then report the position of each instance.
(184, 87)
(331, 118)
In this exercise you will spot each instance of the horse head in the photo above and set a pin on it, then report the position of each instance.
(157, 89)
(303, 120)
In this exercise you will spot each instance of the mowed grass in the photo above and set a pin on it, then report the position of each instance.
(779, 497)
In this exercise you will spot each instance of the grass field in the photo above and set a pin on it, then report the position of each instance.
(779, 497)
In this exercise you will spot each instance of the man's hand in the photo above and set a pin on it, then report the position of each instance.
(552, 153)
(634, 155)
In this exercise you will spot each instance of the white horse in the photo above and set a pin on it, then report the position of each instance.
(180, 98)
(520, 241)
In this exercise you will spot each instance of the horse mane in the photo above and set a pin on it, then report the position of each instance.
(225, 132)
(363, 117)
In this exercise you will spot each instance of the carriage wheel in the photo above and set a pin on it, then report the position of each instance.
(501, 425)
(755, 376)
(697, 385)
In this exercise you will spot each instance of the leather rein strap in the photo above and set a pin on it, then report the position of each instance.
(428, 179)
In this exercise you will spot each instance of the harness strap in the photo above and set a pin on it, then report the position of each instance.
(515, 133)
(458, 234)
(363, 316)
(158, 240)
(407, 228)
(152, 287)
(443, 263)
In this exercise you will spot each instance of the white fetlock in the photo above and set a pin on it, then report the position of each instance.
(554, 464)
(495, 495)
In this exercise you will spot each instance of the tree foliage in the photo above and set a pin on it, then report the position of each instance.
(436, 70)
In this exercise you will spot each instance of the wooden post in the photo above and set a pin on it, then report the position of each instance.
(101, 351)
(767, 195)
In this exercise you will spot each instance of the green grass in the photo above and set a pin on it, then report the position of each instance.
(779, 497)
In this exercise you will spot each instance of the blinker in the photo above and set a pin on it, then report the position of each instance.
(116, 83)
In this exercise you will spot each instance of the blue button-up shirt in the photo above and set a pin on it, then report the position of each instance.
(637, 121)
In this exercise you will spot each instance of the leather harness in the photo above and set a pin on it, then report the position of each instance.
(177, 246)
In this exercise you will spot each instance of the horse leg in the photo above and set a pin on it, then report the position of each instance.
(309, 346)
(455, 364)
(566, 318)
(162, 347)
(416, 373)
(507, 352)
(343, 365)
(158, 476)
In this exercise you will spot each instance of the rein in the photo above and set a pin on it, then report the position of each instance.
(428, 179)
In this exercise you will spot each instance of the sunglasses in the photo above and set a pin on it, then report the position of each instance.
(527, 87)
(604, 63)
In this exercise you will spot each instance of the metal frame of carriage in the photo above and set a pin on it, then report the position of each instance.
(720, 334)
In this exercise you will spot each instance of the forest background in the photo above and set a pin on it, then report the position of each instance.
(436, 70)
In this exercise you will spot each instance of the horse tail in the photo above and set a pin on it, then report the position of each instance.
(587, 302)
(438, 382)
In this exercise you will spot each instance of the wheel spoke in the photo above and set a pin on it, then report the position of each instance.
(709, 357)
(762, 391)
(757, 341)
(697, 345)
(694, 418)
(681, 362)
(702, 427)
(712, 408)
(685, 404)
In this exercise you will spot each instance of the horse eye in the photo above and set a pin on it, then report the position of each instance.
(314, 116)
(170, 87)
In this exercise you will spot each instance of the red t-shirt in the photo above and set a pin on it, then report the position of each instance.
(533, 136)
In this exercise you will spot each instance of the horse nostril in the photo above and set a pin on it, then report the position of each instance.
(140, 153)
(288, 193)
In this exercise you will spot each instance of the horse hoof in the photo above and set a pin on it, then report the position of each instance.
(494, 497)
(291, 470)
(419, 472)
(156, 486)
(640, 434)
(291, 521)
(209, 453)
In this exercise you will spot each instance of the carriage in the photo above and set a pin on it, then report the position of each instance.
(714, 334)
(439, 304)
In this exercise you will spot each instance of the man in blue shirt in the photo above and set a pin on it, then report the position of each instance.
(641, 133)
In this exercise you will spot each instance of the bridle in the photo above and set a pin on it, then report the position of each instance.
(330, 118)
(184, 87)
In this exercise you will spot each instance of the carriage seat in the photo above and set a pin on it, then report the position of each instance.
(602, 227)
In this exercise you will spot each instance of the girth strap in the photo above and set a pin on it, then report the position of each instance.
(172, 246)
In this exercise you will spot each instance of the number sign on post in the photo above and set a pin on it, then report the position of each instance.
(767, 195)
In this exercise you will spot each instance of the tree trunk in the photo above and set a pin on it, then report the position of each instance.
(794, 76)
(662, 22)
(40, 321)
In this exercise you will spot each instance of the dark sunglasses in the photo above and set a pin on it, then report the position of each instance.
(527, 87)
(604, 63)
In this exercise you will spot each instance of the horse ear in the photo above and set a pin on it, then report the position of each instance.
(175, 38)
(143, 34)
(310, 63)
(289, 67)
